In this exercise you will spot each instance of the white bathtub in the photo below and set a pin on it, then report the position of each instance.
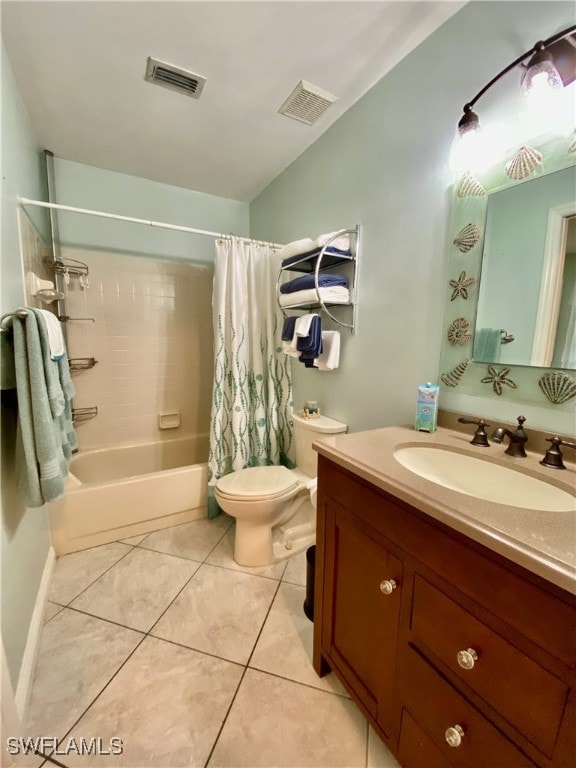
(114, 493)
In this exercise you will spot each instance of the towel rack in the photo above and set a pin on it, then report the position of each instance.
(505, 337)
(21, 313)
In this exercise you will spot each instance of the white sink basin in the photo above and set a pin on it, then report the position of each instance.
(483, 479)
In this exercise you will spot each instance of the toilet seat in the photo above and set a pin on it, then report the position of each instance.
(257, 484)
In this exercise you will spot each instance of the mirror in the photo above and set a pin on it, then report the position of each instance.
(527, 297)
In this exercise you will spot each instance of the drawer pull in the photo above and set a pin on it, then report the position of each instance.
(454, 735)
(467, 659)
(388, 586)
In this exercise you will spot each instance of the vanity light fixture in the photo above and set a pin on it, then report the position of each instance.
(551, 67)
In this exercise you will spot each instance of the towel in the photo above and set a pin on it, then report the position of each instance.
(45, 437)
(55, 336)
(307, 248)
(288, 328)
(330, 357)
(310, 347)
(305, 282)
(337, 294)
(302, 326)
(487, 345)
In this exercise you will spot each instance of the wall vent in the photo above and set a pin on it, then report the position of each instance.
(307, 103)
(175, 78)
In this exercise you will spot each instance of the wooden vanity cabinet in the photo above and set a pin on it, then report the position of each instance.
(439, 639)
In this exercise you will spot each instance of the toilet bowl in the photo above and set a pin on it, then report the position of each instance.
(275, 507)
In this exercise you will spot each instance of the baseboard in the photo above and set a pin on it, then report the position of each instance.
(28, 666)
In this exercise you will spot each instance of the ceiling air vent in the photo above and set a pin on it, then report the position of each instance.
(307, 103)
(175, 78)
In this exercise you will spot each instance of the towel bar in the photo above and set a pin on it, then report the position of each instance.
(21, 313)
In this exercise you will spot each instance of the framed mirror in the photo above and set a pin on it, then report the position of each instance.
(509, 321)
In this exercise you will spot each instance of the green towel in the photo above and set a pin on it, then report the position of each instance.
(487, 345)
(45, 436)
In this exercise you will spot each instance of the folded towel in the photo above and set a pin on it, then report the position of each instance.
(305, 282)
(306, 248)
(310, 347)
(45, 436)
(332, 295)
(288, 328)
(341, 243)
(302, 327)
(55, 336)
(330, 357)
(487, 345)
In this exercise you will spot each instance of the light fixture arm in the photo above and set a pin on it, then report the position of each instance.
(539, 46)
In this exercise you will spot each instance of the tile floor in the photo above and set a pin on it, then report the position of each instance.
(164, 642)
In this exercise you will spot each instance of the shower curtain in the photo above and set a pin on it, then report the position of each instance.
(252, 390)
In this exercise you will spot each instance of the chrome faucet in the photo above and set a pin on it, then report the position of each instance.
(518, 438)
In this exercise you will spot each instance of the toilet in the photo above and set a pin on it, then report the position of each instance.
(275, 507)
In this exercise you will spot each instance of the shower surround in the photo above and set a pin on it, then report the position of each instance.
(151, 335)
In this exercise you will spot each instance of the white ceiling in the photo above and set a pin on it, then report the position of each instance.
(80, 70)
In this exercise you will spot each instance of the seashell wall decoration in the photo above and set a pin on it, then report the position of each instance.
(498, 379)
(452, 378)
(467, 238)
(557, 386)
(524, 162)
(470, 187)
(460, 286)
(459, 332)
(572, 147)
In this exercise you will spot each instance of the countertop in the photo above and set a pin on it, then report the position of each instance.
(540, 541)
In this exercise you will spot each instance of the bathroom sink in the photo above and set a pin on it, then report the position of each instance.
(484, 479)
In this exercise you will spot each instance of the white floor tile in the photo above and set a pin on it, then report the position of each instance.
(73, 573)
(137, 589)
(133, 540)
(220, 611)
(166, 704)
(223, 555)
(52, 609)
(78, 656)
(192, 540)
(379, 756)
(285, 644)
(275, 722)
(295, 572)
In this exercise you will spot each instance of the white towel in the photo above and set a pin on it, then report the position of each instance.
(336, 294)
(297, 247)
(55, 337)
(289, 347)
(342, 242)
(303, 323)
(330, 357)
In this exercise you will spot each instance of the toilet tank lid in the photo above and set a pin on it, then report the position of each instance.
(322, 425)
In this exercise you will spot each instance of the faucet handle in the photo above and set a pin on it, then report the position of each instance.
(480, 436)
(553, 456)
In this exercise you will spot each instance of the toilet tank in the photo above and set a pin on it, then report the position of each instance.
(307, 431)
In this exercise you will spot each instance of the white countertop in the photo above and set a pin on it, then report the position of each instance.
(542, 542)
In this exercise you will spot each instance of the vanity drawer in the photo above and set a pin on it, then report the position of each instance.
(415, 749)
(437, 707)
(529, 697)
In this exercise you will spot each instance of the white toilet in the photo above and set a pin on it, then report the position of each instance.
(275, 507)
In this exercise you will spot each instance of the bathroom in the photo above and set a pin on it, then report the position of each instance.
(382, 164)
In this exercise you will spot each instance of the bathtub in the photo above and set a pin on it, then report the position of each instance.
(115, 493)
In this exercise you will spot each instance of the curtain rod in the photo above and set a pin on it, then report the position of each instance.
(159, 224)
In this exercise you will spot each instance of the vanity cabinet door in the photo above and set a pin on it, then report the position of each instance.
(362, 610)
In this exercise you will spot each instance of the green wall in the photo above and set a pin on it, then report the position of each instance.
(383, 164)
(25, 539)
(83, 186)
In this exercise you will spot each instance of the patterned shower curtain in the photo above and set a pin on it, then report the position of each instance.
(252, 391)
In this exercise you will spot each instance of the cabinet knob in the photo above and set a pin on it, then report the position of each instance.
(467, 659)
(454, 735)
(388, 586)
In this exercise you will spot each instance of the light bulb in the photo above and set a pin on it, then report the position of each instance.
(542, 89)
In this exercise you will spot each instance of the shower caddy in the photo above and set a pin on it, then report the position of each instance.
(321, 262)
